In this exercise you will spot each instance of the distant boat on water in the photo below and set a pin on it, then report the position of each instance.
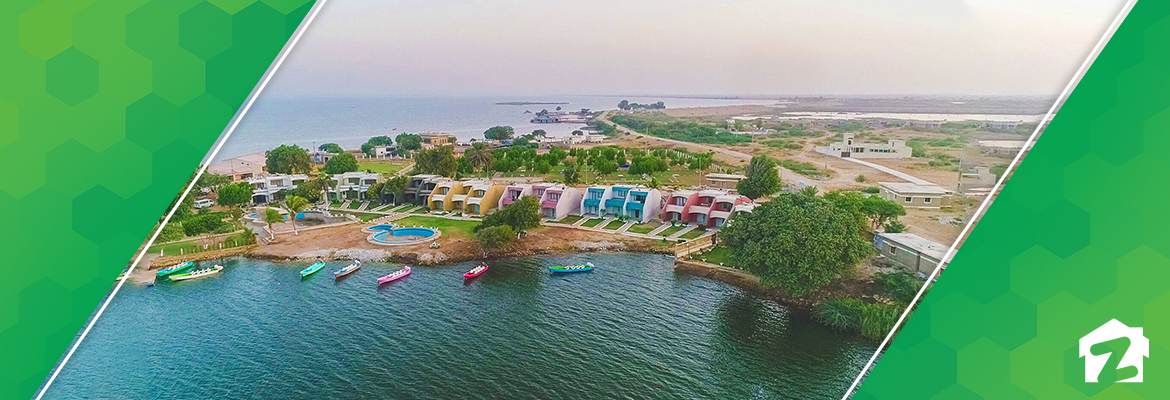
(349, 269)
(198, 273)
(183, 266)
(312, 269)
(559, 269)
(396, 275)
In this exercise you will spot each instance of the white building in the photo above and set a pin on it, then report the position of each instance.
(266, 189)
(240, 168)
(849, 147)
(352, 185)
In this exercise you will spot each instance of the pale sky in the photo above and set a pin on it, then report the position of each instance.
(693, 47)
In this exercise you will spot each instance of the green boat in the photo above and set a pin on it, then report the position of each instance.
(312, 269)
(185, 265)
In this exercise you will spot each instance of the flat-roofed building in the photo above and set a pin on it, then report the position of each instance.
(848, 147)
(913, 195)
(1002, 148)
(722, 181)
(910, 251)
(241, 168)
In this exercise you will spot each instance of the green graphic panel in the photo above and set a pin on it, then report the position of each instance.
(106, 108)
(1077, 238)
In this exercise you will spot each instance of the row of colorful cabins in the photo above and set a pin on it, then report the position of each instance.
(710, 207)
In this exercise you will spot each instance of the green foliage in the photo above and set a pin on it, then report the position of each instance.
(859, 179)
(171, 232)
(499, 133)
(900, 286)
(374, 193)
(288, 160)
(846, 126)
(896, 227)
(368, 146)
(212, 181)
(272, 216)
(572, 173)
(199, 224)
(679, 129)
(438, 161)
(871, 190)
(524, 214)
(310, 190)
(783, 144)
(235, 194)
(880, 211)
(872, 320)
(797, 242)
(331, 148)
(408, 141)
(805, 169)
(648, 165)
(394, 187)
(340, 164)
(762, 179)
(495, 237)
(479, 156)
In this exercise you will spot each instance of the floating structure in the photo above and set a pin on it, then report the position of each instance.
(197, 273)
(477, 271)
(567, 269)
(312, 269)
(174, 269)
(396, 275)
(349, 269)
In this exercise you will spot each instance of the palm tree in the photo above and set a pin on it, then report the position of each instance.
(271, 216)
(326, 183)
(294, 205)
(479, 156)
(809, 191)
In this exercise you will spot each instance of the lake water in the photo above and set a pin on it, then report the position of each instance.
(632, 328)
(350, 121)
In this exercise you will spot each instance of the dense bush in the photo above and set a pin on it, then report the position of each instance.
(901, 286)
(687, 131)
(872, 320)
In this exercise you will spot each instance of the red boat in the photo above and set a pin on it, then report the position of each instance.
(477, 271)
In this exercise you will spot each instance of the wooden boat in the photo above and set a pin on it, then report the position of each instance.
(349, 269)
(477, 271)
(564, 269)
(183, 266)
(312, 269)
(396, 275)
(200, 273)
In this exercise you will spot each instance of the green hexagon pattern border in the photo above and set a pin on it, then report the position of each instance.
(1077, 238)
(108, 107)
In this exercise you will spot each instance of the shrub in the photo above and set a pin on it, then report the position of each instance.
(839, 314)
(901, 286)
(171, 232)
(495, 236)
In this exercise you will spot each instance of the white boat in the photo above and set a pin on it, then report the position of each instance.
(197, 273)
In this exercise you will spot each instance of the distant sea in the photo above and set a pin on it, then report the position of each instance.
(350, 121)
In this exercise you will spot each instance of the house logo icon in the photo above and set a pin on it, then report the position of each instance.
(1139, 349)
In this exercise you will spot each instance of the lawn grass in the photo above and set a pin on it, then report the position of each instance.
(671, 230)
(367, 217)
(194, 246)
(382, 167)
(569, 219)
(423, 210)
(716, 255)
(449, 227)
(613, 225)
(694, 233)
(353, 205)
(592, 222)
(335, 204)
(643, 228)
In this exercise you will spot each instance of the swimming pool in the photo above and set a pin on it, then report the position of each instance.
(389, 235)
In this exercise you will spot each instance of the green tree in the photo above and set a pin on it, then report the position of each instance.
(895, 227)
(762, 178)
(539, 133)
(374, 193)
(572, 173)
(542, 167)
(212, 181)
(272, 216)
(235, 194)
(331, 148)
(524, 214)
(294, 205)
(438, 161)
(796, 242)
(288, 160)
(393, 188)
(310, 190)
(880, 211)
(495, 237)
(479, 155)
(368, 146)
(409, 141)
(340, 164)
(499, 133)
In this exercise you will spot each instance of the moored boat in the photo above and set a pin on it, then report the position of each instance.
(396, 275)
(563, 269)
(312, 269)
(200, 273)
(477, 271)
(349, 269)
(180, 267)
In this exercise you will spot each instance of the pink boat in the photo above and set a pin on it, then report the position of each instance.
(393, 276)
(477, 271)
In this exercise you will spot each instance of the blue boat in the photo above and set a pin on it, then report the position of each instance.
(183, 266)
(312, 269)
(566, 269)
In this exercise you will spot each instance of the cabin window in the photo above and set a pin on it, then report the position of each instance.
(893, 250)
(909, 199)
(926, 200)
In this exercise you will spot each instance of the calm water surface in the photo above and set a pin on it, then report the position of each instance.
(633, 328)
